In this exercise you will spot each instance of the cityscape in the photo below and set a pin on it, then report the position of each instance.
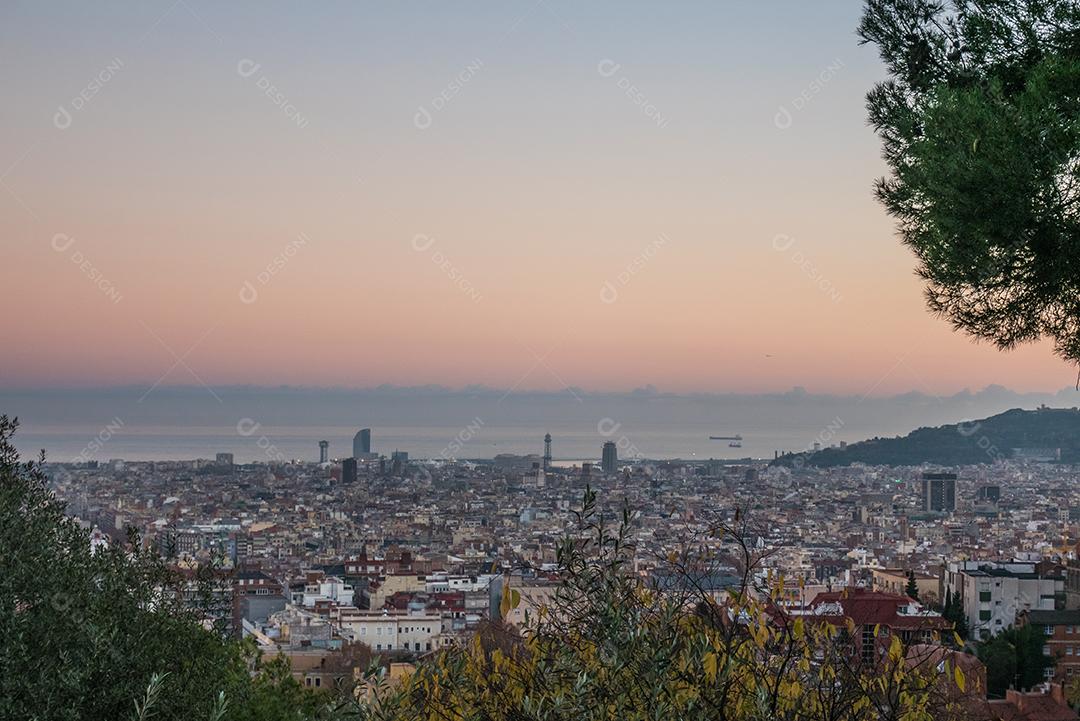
(540, 361)
(411, 555)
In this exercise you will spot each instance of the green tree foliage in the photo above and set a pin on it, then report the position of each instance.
(983, 441)
(953, 610)
(978, 125)
(86, 635)
(912, 589)
(1014, 659)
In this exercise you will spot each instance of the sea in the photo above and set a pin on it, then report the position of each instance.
(261, 424)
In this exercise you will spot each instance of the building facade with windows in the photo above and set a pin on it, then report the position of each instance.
(1061, 630)
(993, 595)
(388, 630)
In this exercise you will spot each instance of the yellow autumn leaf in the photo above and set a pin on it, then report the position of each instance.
(504, 604)
(896, 649)
(709, 662)
(961, 680)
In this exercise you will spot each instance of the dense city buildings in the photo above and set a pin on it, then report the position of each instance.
(409, 556)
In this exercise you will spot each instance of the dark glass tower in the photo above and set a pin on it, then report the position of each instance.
(609, 462)
(361, 443)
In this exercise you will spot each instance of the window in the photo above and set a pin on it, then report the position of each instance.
(984, 597)
(984, 615)
(1068, 650)
(1046, 649)
(868, 644)
(1048, 673)
(1049, 630)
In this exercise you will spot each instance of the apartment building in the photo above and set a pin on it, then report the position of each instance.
(993, 594)
(390, 630)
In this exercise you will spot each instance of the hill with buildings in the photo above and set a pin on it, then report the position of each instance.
(1045, 434)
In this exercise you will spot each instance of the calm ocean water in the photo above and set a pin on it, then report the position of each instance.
(185, 423)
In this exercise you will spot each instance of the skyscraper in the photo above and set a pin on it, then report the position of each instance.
(324, 451)
(361, 443)
(939, 492)
(348, 470)
(609, 461)
(547, 452)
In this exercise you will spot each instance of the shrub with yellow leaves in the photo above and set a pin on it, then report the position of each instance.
(614, 645)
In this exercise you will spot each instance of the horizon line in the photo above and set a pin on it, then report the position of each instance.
(647, 391)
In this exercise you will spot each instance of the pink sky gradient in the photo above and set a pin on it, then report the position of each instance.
(540, 181)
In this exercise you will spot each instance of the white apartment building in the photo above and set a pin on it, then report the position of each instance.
(993, 594)
(329, 588)
(388, 630)
(442, 583)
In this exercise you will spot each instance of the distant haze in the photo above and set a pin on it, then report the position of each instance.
(192, 422)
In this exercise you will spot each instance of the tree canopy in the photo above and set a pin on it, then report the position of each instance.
(84, 633)
(978, 121)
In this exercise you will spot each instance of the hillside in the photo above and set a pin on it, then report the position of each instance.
(972, 442)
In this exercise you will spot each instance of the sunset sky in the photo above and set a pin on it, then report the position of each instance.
(520, 194)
